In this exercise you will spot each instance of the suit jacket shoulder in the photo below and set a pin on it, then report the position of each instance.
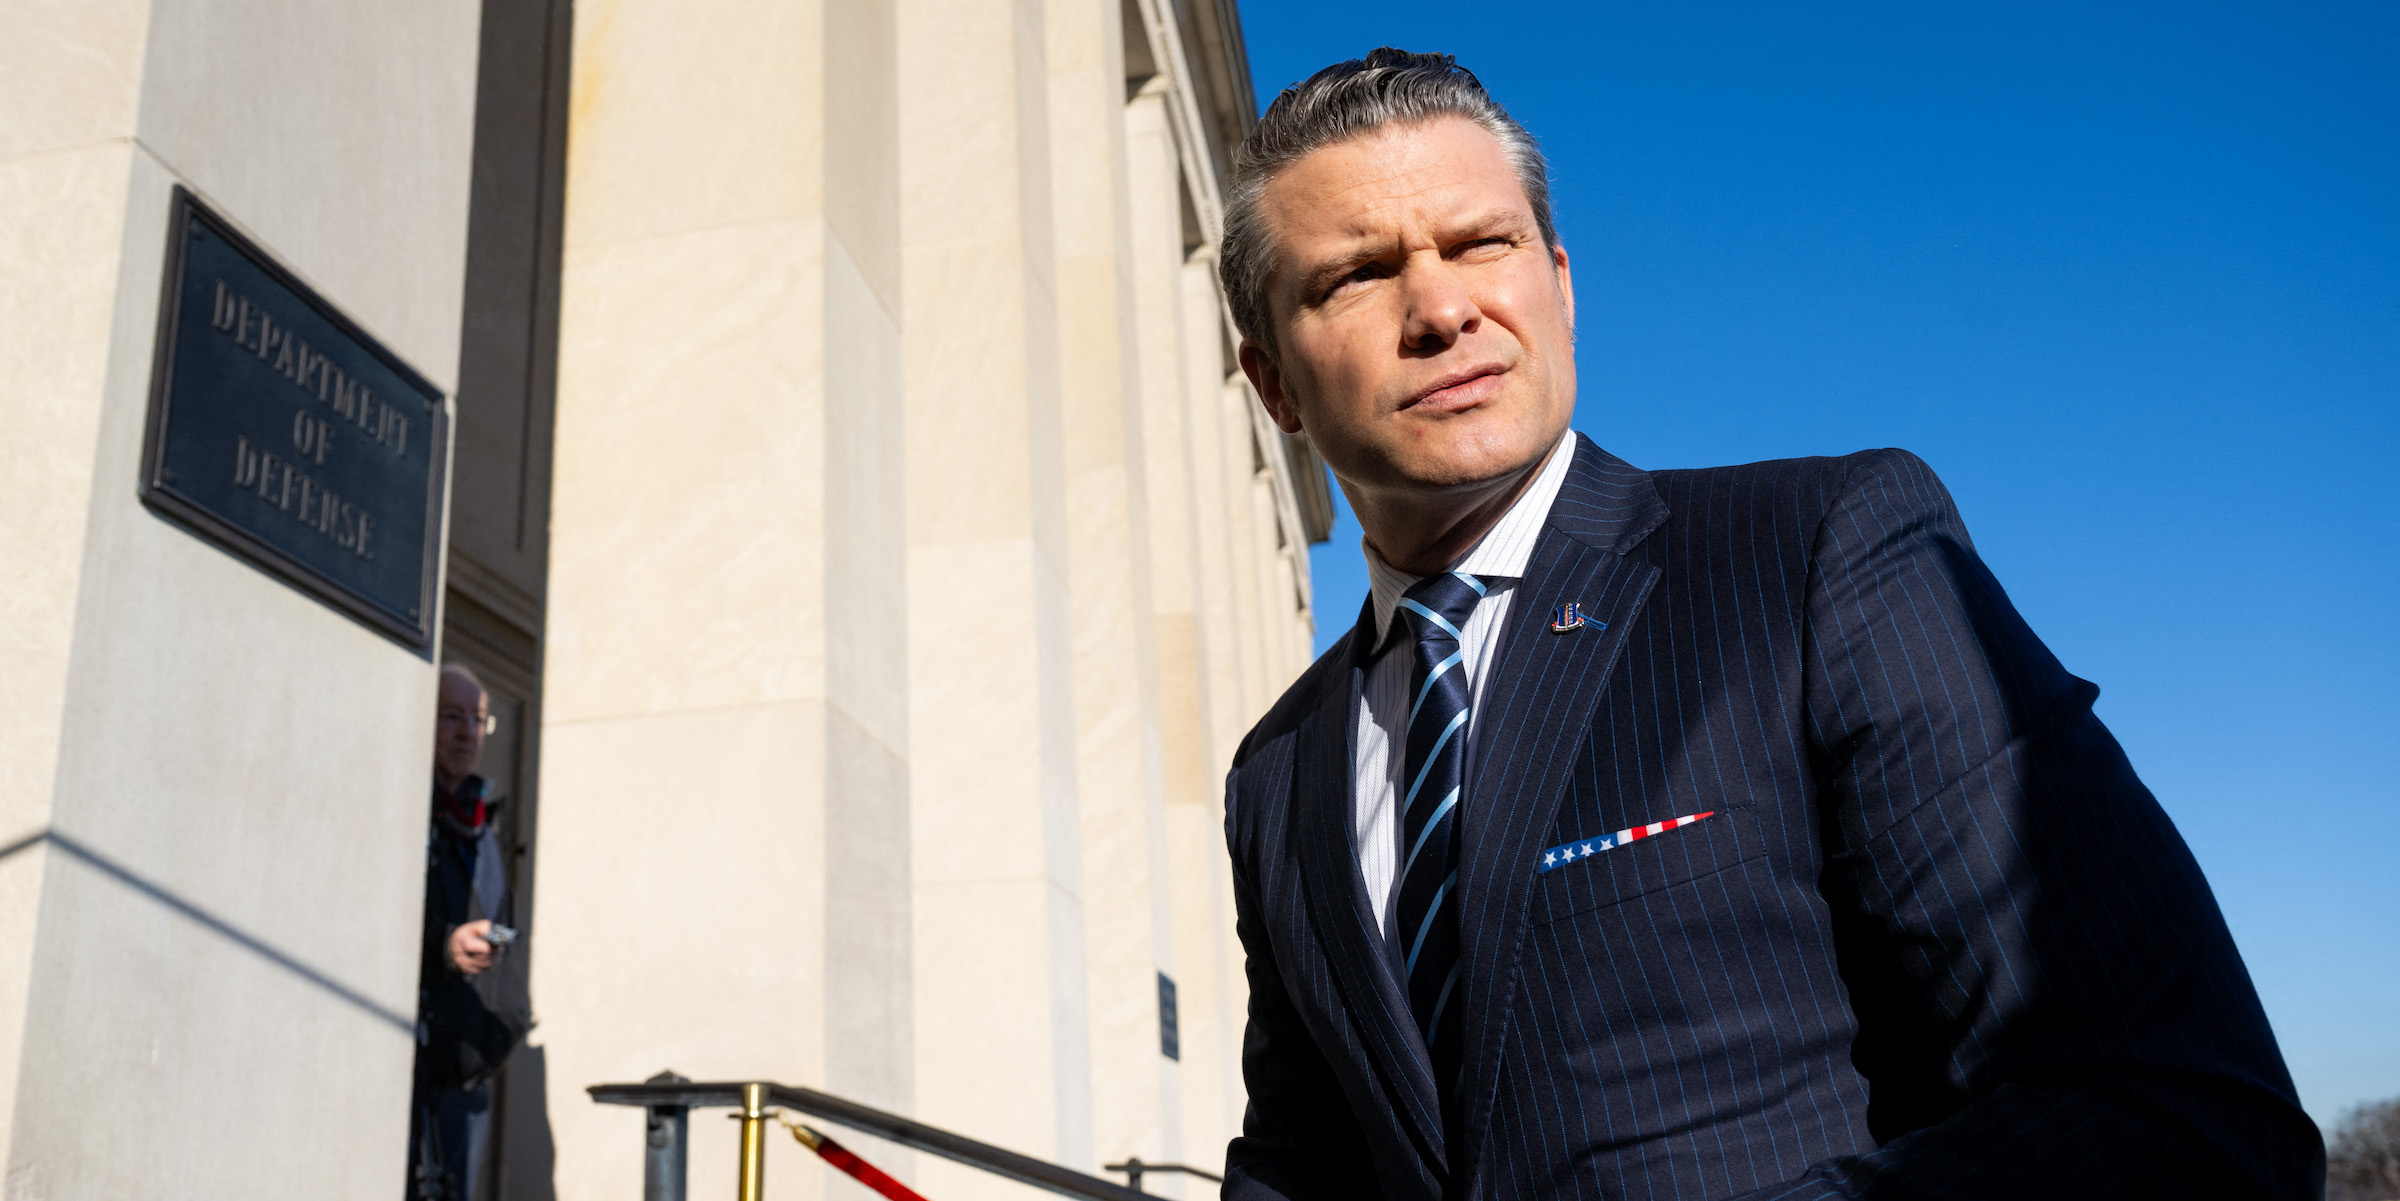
(1797, 494)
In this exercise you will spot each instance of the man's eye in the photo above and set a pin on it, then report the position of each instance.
(1485, 245)
(1363, 274)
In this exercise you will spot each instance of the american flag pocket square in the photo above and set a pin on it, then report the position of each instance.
(1573, 852)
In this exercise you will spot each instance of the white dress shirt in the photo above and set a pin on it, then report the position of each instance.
(1499, 561)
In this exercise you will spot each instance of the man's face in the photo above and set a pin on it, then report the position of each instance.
(458, 729)
(1425, 336)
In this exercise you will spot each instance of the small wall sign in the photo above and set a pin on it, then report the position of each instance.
(1170, 1037)
(284, 433)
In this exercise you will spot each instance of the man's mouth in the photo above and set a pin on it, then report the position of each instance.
(1459, 389)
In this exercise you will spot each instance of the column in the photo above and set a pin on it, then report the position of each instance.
(999, 984)
(212, 787)
(1118, 767)
(691, 727)
(1217, 576)
(870, 1014)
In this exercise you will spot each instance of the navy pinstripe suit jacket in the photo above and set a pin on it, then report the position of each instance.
(1938, 940)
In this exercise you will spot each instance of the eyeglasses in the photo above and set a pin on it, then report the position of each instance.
(460, 717)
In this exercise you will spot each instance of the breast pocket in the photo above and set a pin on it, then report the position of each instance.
(1602, 876)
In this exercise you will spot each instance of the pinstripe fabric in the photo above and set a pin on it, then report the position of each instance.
(1938, 941)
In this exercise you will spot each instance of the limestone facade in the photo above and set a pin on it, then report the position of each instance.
(212, 788)
(917, 559)
(874, 550)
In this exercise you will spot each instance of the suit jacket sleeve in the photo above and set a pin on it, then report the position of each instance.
(1298, 1140)
(2047, 997)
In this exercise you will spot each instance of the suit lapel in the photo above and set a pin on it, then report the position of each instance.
(1536, 711)
(1325, 799)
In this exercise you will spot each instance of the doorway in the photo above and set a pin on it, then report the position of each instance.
(498, 552)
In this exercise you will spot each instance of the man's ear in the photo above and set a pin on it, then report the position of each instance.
(1267, 379)
(1566, 281)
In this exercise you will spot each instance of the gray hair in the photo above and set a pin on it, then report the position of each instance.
(1350, 100)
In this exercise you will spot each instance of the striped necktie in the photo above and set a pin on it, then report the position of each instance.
(1433, 775)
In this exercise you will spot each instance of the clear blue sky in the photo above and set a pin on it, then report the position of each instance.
(2127, 276)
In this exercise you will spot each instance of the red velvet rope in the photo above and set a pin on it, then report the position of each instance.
(848, 1161)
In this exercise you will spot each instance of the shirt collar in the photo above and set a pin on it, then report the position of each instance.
(466, 811)
(1501, 554)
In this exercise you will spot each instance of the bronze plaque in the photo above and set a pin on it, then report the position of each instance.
(284, 433)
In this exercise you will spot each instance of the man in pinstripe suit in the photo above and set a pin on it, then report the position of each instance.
(1671, 834)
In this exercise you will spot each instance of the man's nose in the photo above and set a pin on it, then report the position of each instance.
(1441, 307)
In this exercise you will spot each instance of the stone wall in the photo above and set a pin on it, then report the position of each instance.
(917, 561)
(212, 787)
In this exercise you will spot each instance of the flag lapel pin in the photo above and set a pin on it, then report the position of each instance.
(1569, 617)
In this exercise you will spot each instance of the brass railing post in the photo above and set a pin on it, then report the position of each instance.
(754, 1142)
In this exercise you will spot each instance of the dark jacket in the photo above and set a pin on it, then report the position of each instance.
(466, 1026)
(1937, 940)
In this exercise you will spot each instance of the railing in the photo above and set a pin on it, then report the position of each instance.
(1133, 1167)
(670, 1099)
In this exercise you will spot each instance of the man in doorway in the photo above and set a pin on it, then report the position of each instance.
(1675, 834)
(469, 1016)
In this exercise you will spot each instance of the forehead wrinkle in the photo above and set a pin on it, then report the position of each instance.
(1360, 170)
(1387, 194)
(1417, 226)
(1437, 201)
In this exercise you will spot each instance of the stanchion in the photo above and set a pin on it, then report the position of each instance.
(754, 1142)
